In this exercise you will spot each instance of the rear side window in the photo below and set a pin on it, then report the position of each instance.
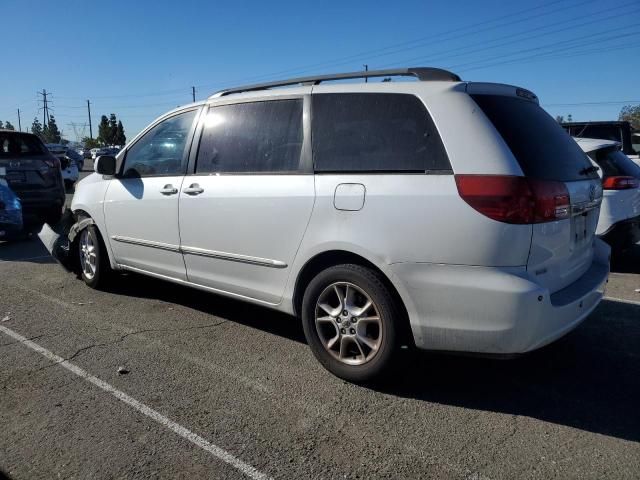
(371, 132)
(15, 145)
(255, 137)
(614, 163)
(541, 146)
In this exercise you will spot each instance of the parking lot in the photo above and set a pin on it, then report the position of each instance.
(220, 389)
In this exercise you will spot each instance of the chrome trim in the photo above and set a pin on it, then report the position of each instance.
(147, 243)
(578, 208)
(233, 257)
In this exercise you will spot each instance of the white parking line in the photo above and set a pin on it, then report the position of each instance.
(622, 300)
(216, 451)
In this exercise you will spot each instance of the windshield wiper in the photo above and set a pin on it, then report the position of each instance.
(588, 170)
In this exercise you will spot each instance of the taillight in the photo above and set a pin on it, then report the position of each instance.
(516, 200)
(52, 162)
(620, 183)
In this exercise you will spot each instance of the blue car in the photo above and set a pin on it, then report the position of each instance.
(10, 211)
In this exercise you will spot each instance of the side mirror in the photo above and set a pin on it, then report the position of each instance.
(105, 165)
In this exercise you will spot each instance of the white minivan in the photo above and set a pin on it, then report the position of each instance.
(437, 213)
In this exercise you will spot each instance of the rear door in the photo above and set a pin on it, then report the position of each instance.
(562, 250)
(245, 209)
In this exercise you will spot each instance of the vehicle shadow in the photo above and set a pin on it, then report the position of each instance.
(29, 249)
(254, 316)
(628, 262)
(588, 380)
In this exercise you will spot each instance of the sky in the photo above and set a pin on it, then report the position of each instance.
(140, 58)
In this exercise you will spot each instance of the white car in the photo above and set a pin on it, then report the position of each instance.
(444, 214)
(619, 223)
(68, 166)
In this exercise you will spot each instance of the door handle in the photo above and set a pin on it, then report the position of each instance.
(193, 189)
(169, 190)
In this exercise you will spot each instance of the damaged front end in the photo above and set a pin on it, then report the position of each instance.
(59, 238)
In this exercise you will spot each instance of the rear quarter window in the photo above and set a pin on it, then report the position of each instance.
(614, 163)
(371, 132)
(543, 148)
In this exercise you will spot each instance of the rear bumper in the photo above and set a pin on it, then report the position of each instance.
(495, 310)
(39, 204)
(624, 234)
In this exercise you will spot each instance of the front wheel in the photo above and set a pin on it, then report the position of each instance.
(94, 264)
(349, 319)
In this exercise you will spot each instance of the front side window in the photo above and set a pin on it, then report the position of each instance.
(161, 151)
(371, 132)
(255, 137)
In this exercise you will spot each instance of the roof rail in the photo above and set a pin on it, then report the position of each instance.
(421, 73)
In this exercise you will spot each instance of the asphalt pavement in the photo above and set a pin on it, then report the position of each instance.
(153, 380)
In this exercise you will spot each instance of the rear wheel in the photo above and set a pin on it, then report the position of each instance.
(94, 264)
(349, 319)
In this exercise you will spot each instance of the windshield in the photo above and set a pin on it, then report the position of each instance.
(541, 146)
(17, 145)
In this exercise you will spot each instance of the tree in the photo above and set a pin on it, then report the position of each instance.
(50, 131)
(104, 131)
(36, 128)
(90, 142)
(631, 114)
(8, 125)
(1, 124)
(120, 138)
(569, 118)
(559, 118)
(113, 129)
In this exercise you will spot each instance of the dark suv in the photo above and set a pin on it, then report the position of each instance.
(33, 173)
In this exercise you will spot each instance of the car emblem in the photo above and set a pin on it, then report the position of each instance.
(592, 192)
(14, 164)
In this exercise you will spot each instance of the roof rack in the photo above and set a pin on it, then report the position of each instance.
(421, 73)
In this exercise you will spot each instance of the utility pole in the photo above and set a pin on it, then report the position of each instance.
(366, 69)
(45, 109)
(89, 112)
(19, 124)
(193, 93)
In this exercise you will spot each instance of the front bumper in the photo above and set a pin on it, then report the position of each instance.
(623, 235)
(495, 310)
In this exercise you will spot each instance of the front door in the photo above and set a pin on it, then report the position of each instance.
(141, 203)
(245, 210)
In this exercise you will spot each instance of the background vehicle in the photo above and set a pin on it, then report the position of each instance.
(33, 173)
(76, 157)
(443, 214)
(69, 168)
(620, 132)
(10, 212)
(619, 222)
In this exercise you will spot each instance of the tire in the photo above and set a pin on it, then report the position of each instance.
(96, 271)
(354, 347)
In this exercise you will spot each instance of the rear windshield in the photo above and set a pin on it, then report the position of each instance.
(614, 163)
(541, 146)
(17, 145)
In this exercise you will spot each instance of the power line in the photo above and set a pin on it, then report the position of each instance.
(348, 59)
(481, 65)
(465, 49)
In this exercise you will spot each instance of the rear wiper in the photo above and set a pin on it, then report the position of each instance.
(588, 170)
